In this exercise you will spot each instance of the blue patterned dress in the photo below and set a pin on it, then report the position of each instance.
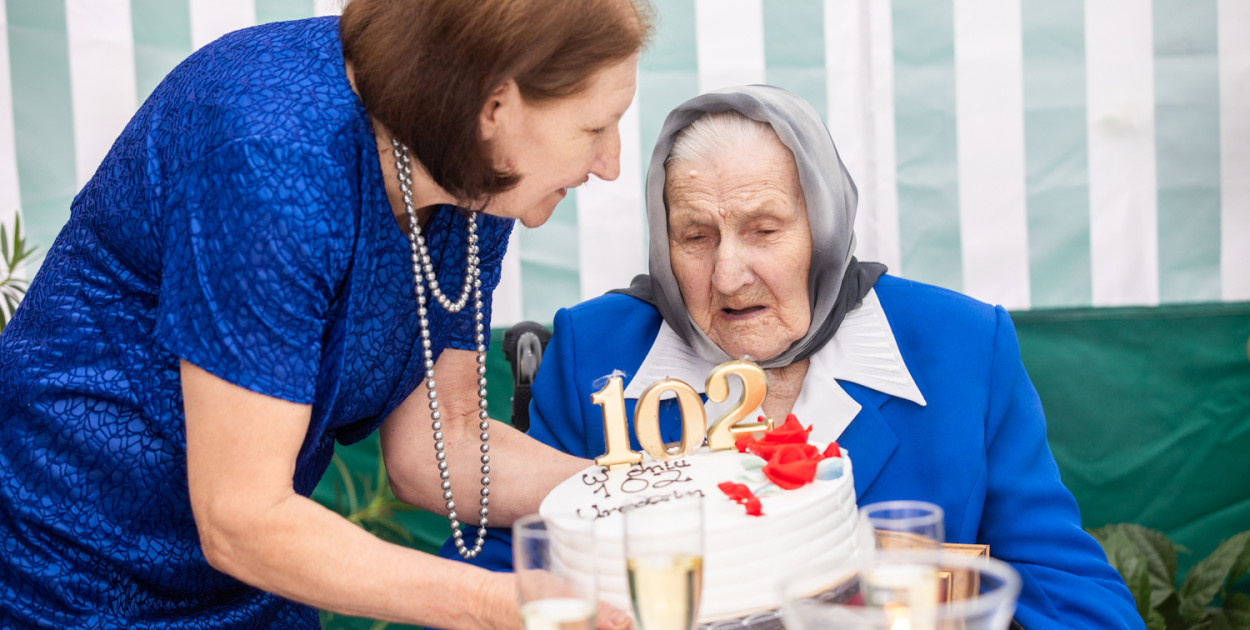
(239, 222)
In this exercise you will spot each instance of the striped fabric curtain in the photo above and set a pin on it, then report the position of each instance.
(1030, 153)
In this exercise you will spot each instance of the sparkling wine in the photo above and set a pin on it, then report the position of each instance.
(558, 613)
(665, 590)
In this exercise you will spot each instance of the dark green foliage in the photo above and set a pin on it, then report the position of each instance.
(13, 253)
(1211, 597)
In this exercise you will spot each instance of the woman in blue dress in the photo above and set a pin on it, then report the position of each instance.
(234, 292)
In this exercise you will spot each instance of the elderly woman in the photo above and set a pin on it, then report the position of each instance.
(751, 215)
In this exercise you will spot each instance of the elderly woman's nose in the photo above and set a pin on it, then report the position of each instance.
(733, 268)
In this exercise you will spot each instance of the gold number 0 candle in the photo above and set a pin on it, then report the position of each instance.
(647, 419)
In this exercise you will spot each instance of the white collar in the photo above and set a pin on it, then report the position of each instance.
(863, 351)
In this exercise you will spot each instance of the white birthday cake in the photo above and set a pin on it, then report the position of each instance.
(748, 545)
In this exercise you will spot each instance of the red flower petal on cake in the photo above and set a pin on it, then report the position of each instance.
(832, 451)
(744, 443)
(789, 433)
(764, 451)
(793, 465)
(736, 491)
(742, 495)
(753, 507)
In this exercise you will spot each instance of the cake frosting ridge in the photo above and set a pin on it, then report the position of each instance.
(744, 555)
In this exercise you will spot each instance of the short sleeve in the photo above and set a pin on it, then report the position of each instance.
(258, 236)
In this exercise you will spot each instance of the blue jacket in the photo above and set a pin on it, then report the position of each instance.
(977, 448)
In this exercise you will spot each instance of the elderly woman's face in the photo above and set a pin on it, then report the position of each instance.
(741, 248)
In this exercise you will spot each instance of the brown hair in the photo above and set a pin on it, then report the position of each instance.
(424, 68)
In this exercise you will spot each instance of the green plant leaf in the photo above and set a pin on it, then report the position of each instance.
(398, 531)
(20, 256)
(1209, 575)
(1160, 555)
(1242, 565)
(346, 476)
(4, 248)
(1125, 556)
(1156, 621)
(1217, 621)
(12, 253)
(1237, 610)
(383, 480)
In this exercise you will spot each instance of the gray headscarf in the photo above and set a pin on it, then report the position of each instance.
(837, 281)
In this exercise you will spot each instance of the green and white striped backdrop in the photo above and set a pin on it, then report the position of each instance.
(1032, 153)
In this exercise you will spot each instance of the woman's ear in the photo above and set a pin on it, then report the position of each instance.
(500, 107)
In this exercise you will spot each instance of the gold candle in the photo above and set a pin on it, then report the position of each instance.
(727, 429)
(647, 419)
(611, 399)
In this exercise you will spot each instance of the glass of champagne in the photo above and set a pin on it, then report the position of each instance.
(664, 560)
(906, 524)
(556, 583)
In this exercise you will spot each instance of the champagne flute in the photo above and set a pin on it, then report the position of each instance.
(556, 584)
(901, 526)
(664, 560)
(906, 524)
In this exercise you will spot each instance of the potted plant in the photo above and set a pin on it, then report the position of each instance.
(1209, 598)
(14, 252)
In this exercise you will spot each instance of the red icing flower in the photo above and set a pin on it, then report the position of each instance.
(793, 465)
(791, 460)
(753, 507)
(742, 495)
(744, 443)
(762, 449)
(832, 451)
(789, 433)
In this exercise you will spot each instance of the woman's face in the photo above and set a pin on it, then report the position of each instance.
(741, 248)
(559, 144)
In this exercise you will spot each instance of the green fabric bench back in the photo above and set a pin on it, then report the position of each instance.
(1148, 413)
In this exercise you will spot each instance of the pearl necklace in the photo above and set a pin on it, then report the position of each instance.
(421, 266)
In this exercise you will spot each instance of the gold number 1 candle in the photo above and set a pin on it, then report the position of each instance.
(611, 399)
